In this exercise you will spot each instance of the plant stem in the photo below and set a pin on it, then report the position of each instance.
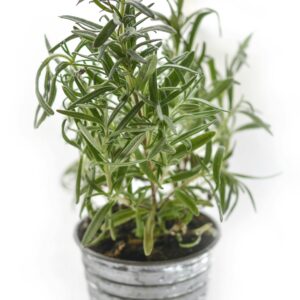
(154, 200)
(122, 8)
(106, 155)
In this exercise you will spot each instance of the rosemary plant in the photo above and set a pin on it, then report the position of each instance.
(154, 121)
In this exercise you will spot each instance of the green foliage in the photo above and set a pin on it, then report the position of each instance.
(154, 122)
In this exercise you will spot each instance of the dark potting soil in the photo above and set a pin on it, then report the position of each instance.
(128, 247)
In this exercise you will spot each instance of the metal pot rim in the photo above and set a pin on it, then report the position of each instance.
(151, 263)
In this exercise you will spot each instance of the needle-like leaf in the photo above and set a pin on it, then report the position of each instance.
(83, 22)
(149, 234)
(217, 165)
(96, 224)
(189, 202)
(142, 8)
(196, 143)
(130, 116)
(78, 179)
(91, 96)
(105, 33)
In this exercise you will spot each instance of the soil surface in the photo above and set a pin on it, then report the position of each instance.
(127, 247)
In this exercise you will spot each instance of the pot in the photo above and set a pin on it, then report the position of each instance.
(114, 279)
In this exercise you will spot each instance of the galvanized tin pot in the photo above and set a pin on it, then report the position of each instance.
(112, 279)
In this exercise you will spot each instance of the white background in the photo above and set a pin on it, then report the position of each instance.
(258, 257)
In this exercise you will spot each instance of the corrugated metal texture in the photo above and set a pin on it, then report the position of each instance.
(112, 279)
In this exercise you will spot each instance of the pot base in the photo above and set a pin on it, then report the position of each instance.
(197, 295)
(179, 279)
(185, 281)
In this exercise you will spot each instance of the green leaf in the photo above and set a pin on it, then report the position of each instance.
(123, 216)
(186, 60)
(217, 165)
(159, 112)
(130, 116)
(153, 91)
(145, 167)
(96, 224)
(203, 54)
(188, 201)
(208, 152)
(164, 28)
(85, 34)
(207, 103)
(222, 194)
(212, 69)
(105, 33)
(250, 196)
(98, 181)
(43, 103)
(146, 71)
(127, 164)
(191, 132)
(93, 142)
(157, 148)
(255, 177)
(162, 18)
(91, 96)
(205, 203)
(241, 56)
(136, 57)
(176, 67)
(170, 124)
(180, 4)
(145, 43)
(219, 88)
(79, 116)
(183, 175)
(178, 92)
(117, 17)
(50, 91)
(151, 50)
(142, 8)
(78, 179)
(81, 85)
(196, 143)
(66, 138)
(134, 130)
(168, 149)
(119, 178)
(114, 69)
(257, 122)
(200, 16)
(131, 146)
(83, 22)
(63, 42)
(102, 6)
(149, 234)
(118, 108)
(70, 94)
(116, 48)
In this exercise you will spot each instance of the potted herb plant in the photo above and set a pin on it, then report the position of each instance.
(154, 122)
